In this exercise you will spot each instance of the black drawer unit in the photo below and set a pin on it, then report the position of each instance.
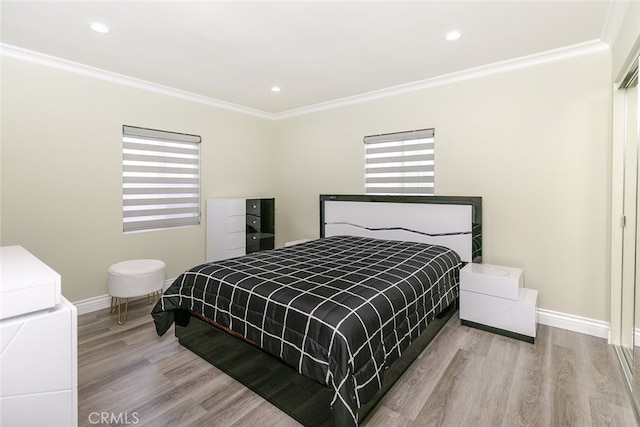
(260, 231)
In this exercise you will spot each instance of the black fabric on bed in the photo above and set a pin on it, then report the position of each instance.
(338, 309)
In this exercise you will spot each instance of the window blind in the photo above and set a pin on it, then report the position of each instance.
(160, 179)
(400, 163)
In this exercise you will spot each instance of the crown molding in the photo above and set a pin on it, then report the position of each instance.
(614, 20)
(98, 73)
(495, 68)
(472, 73)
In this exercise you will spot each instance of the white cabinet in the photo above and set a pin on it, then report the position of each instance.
(226, 220)
(237, 227)
(39, 368)
(38, 354)
(26, 283)
(494, 298)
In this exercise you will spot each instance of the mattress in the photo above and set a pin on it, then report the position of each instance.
(339, 310)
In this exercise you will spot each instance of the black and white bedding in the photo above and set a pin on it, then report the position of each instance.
(339, 309)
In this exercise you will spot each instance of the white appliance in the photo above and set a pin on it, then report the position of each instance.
(38, 344)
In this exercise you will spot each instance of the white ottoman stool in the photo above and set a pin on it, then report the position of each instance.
(134, 278)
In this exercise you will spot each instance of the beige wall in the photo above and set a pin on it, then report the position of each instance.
(62, 166)
(534, 143)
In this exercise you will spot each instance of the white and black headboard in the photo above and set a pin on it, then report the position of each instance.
(451, 221)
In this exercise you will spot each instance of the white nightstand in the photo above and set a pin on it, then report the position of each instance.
(494, 298)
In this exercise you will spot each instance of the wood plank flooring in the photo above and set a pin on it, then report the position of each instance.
(466, 377)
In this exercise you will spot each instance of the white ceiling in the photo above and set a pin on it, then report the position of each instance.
(316, 51)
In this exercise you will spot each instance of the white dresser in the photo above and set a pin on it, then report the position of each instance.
(38, 344)
(226, 223)
(237, 227)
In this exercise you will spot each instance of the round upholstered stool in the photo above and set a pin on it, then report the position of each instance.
(134, 278)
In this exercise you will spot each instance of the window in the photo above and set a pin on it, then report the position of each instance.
(400, 163)
(160, 179)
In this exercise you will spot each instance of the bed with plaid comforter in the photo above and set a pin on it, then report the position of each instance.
(339, 310)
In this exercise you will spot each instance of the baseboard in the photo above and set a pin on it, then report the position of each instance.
(583, 325)
(101, 302)
(90, 305)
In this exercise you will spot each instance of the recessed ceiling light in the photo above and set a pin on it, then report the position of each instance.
(275, 89)
(453, 35)
(99, 28)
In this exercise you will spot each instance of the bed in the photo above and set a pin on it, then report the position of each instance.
(323, 328)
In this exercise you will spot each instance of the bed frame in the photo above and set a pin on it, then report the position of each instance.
(450, 221)
(454, 222)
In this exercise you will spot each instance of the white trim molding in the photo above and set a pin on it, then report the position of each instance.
(555, 55)
(101, 302)
(498, 67)
(570, 322)
(583, 325)
(90, 305)
(100, 74)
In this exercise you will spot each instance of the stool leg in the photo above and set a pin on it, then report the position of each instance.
(113, 305)
(126, 307)
(151, 298)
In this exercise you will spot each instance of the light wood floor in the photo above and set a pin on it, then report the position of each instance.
(465, 377)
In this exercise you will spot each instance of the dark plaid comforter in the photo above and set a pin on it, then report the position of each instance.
(338, 309)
